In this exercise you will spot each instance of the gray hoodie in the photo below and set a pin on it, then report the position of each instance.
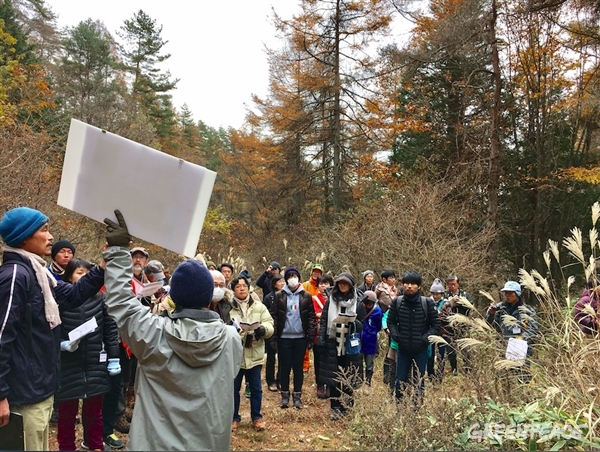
(187, 365)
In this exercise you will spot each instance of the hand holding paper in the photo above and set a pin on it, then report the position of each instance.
(69, 346)
(249, 327)
(113, 367)
(343, 318)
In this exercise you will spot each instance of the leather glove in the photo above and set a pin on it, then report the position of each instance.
(113, 367)
(309, 346)
(117, 234)
(69, 346)
(259, 332)
(273, 345)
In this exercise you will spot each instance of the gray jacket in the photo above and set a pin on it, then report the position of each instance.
(187, 365)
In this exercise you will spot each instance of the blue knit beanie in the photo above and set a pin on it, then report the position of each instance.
(191, 285)
(289, 272)
(18, 224)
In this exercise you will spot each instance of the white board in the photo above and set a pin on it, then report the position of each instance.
(163, 199)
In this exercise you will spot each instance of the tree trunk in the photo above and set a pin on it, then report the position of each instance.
(495, 146)
(337, 151)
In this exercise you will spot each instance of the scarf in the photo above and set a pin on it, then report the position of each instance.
(243, 304)
(412, 298)
(46, 282)
(56, 269)
(339, 301)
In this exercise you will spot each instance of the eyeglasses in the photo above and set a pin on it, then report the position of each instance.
(221, 286)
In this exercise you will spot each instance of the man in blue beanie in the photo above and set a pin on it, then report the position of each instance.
(187, 360)
(29, 338)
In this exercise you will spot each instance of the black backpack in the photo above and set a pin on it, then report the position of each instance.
(424, 305)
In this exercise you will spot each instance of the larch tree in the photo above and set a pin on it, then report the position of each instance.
(320, 89)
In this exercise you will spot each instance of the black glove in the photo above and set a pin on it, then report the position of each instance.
(273, 345)
(117, 234)
(259, 332)
(309, 346)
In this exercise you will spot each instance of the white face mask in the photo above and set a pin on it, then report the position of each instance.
(292, 283)
(218, 294)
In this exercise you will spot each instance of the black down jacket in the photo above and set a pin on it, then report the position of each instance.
(328, 353)
(278, 311)
(82, 373)
(410, 327)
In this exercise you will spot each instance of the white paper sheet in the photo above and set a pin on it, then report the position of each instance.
(83, 330)
(163, 199)
(516, 349)
(149, 289)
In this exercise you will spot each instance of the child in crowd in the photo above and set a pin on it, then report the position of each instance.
(371, 326)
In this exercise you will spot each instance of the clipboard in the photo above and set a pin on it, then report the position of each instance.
(12, 436)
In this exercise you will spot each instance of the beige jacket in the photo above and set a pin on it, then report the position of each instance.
(257, 312)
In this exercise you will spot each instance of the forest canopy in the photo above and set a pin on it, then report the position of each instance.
(484, 123)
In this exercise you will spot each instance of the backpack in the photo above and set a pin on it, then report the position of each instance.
(26, 320)
(424, 305)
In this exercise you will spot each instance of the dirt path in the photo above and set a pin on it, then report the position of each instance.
(286, 429)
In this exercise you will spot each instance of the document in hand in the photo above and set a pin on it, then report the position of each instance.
(249, 327)
(516, 349)
(163, 199)
(344, 318)
(83, 330)
(148, 289)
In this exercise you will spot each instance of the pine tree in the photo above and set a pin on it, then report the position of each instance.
(150, 86)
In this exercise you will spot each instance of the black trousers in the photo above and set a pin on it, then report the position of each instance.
(291, 357)
(271, 376)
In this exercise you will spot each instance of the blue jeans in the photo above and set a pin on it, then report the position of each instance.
(253, 380)
(410, 371)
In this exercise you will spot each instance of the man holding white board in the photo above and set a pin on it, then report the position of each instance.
(183, 357)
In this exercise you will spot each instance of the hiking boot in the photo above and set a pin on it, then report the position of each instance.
(121, 425)
(285, 399)
(247, 392)
(454, 372)
(321, 392)
(113, 441)
(336, 414)
(297, 400)
(259, 425)
(84, 446)
(273, 387)
(234, 425)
